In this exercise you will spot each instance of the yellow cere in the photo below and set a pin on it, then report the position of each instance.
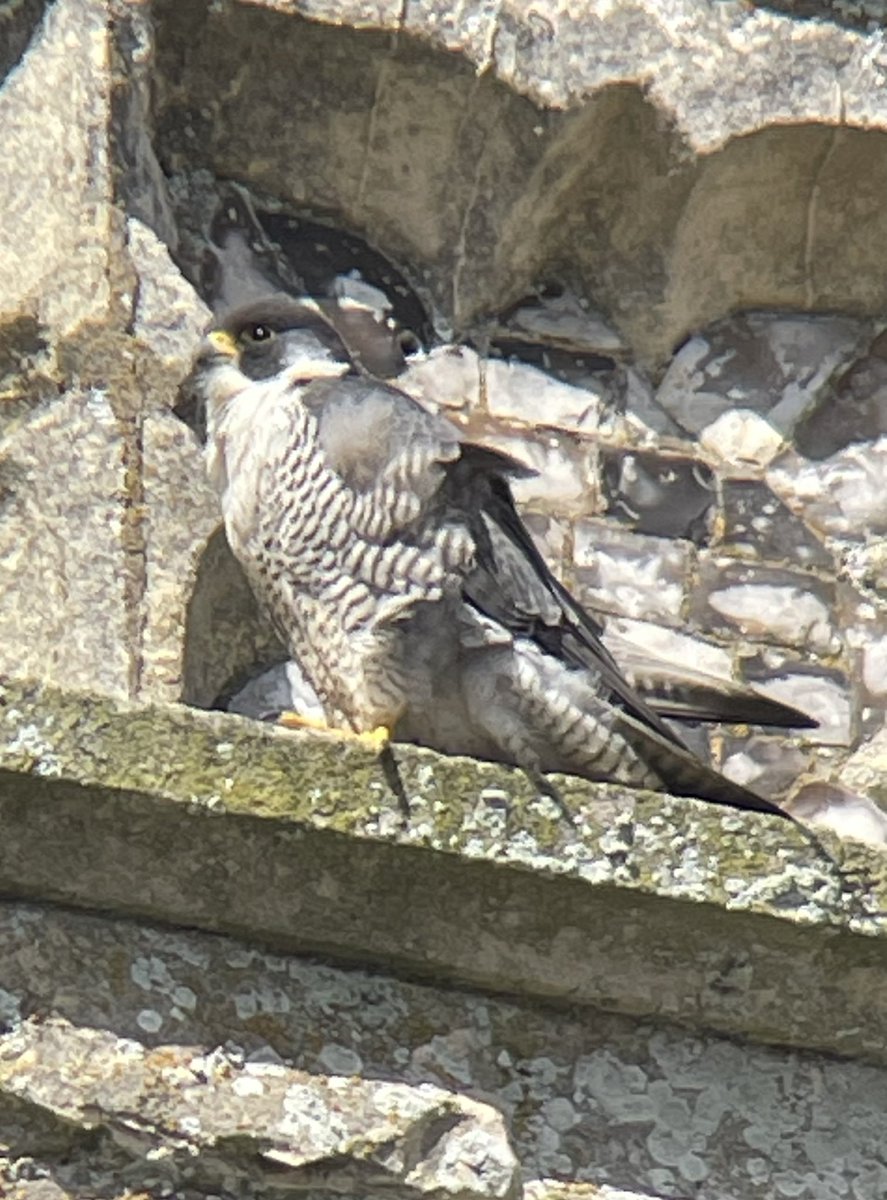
(222, 341)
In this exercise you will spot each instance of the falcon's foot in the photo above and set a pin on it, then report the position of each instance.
(375, 739)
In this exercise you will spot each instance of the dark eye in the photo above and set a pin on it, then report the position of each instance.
(408, 341)
(258, 333)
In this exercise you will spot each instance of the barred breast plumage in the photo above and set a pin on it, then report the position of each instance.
(393, 561)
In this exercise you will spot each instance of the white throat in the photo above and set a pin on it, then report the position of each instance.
(247, 421)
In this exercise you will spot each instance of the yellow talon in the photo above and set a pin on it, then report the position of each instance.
(294, 720)
(375, 739)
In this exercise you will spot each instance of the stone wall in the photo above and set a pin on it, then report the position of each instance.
(641, 246)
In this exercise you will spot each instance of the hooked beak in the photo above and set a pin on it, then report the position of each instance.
(217, 354)
(222, 343)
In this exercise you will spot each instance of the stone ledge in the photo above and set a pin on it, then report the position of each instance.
(647, 906)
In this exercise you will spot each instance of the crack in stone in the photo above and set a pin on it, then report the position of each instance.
(488, 61)
(813, 202)
(461, 257)
(378, 93)
(135, 550)
(402, 17)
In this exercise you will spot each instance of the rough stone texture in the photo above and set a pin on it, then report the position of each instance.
(181, 518)
(667, 496)
(772, 605)
(837, 808)
(823, 694)
(641, 1106)
(55, 191)
(564, 479)
(517, 393)
(447, 378)
(659, 230)
(763, 362)
(637, 577)
(740, 440)
(766, 764)
(840, 495)
(852, 408)
(62, 551)
(758, 526)
(166, 317)
(557, 321)
(213, 1120)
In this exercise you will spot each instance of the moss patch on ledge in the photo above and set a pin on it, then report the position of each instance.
(643, 904)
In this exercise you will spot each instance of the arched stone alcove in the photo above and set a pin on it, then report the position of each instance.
(477, 191)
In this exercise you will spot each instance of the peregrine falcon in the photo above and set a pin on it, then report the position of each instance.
(394, 564)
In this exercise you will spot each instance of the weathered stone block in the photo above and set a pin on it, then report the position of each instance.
(564, 479)
(181, 515)
(842, 495)
(515, 392)
(216, 1119)
(766, 763)
(67, 567)
(765, 603)
(644, 578)
(648, 1106)
(213, 821)
(774, 365)
(853, 408)
(822, 694)
(662, 495)
(56, 213)
(758, 525)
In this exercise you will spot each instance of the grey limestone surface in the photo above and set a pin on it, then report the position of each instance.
(173, 1035)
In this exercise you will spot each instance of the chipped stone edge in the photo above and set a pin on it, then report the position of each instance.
(638, 904)
(679, 53)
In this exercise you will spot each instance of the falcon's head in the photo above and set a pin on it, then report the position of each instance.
(271, 336)
(284, 337)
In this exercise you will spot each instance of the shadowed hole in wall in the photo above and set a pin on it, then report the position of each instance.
(19, 23)
(227, 640)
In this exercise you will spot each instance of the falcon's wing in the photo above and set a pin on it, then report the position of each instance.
(371, 432)
(415, 470)
(511, 583)
(514, 584)
(680, 692)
